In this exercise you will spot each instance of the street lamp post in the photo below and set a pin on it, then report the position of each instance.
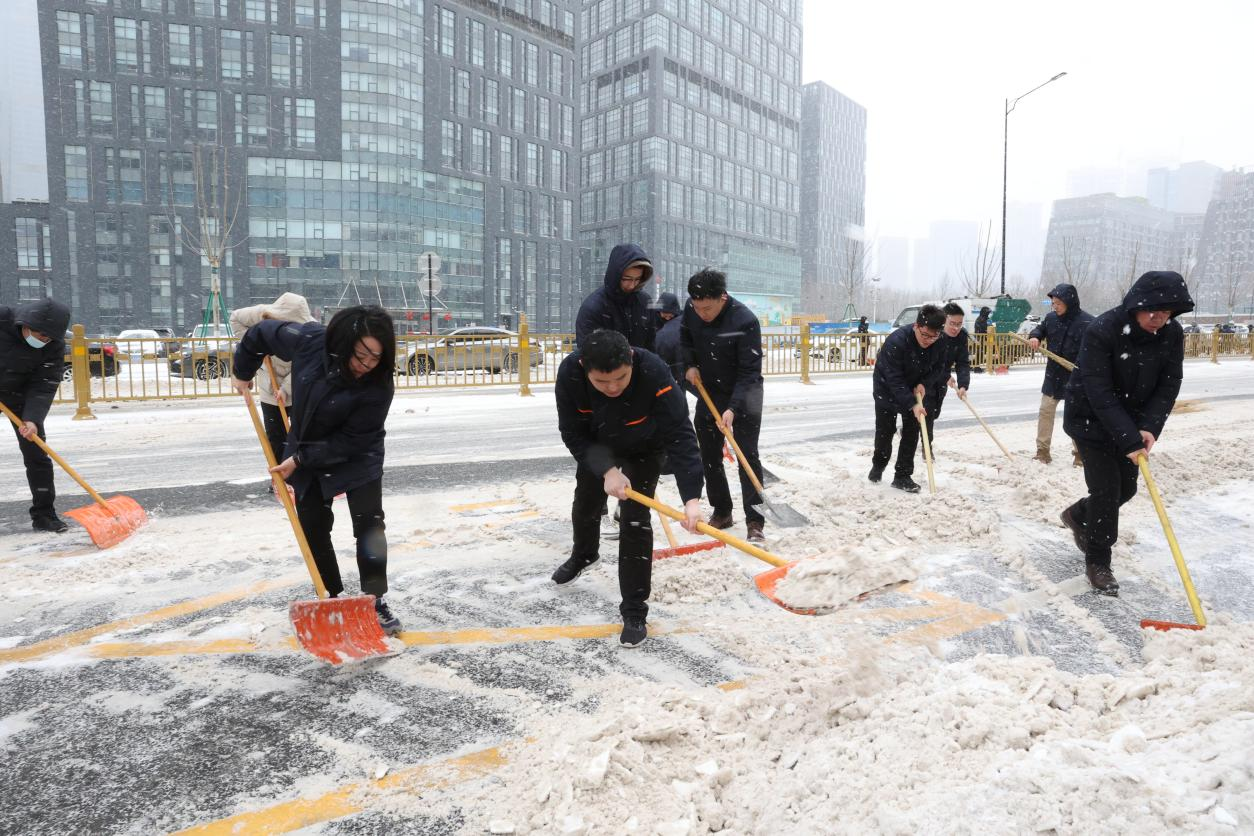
(875, 299)
(1005, 144)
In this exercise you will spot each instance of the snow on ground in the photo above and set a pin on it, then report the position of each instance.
(992, 693)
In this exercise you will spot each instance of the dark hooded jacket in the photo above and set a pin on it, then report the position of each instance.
(981, 321)
(1064, 334)
(608, 307)
(666, 341)
(1127, 379)
(29, 377)
(337, 423)
(728, 352)
(649, 417)
(903, 364)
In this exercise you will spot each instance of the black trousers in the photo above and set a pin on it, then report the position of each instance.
(745, 429)
(635, 541)
(365, 508)
(38, 466)
(885, 429)
(276, 433)
(1111, 480)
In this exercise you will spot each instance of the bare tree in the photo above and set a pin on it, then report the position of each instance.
(945, 288)
(1077, 262)
(1233, 288)
(853, 271)
(977, 270)
(1186, 266)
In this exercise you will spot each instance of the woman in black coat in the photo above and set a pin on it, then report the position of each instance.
(342, 387)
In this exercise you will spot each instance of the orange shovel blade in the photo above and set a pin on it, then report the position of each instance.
(766, 582)
(690, 548)
(339, 630)
(1149, 623)
(108, 529)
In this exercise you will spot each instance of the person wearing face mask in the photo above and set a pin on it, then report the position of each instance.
(32, 356)
(1125, 385)
(957, 360)
(342, 387)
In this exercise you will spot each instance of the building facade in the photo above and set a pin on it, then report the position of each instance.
(25, 252)
(690, 132)
(834, 255)
(1225, 269)
(1186, 188)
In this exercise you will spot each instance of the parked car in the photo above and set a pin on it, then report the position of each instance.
(1026, 327)
(134, 343)
(1229, 328)
(102, 358)
(824, 346)
(204, 357)
(1192, 328)
(476, 347)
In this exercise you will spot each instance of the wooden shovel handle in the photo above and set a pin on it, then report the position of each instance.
(1062, 361)
(1194, 604)
(62, 462)
(274, 384)
(731, 540)
(986, 427)
(927, 445)
(718, 420)
(280, 488)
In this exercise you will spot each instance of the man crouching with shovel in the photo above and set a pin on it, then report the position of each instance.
(619, 411)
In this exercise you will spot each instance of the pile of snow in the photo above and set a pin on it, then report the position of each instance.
(830, 580)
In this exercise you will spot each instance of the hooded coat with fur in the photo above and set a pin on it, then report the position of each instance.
(291, 307)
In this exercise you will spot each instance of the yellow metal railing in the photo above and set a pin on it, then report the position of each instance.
(106, 369)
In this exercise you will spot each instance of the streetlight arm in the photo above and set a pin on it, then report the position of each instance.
(1014, 102)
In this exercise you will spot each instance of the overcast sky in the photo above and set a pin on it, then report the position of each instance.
(1147, 83)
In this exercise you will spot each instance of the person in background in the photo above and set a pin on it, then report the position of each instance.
(1063, 328)
(666, 342)
(957, 359)
(981, 328)
(1130, 368)
(32, 357)
(864, 330)
(342, 386)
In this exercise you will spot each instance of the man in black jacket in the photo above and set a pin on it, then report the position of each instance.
(619, 411)
(957, 360)
(981, 328)
(666, 342)
(721, 342)
(1130, 368)
(1063, 329)
(909, 359)
(32, 356)
(620, 304)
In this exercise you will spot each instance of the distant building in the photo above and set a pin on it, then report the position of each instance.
(1225, 270)
(25, 252)
(834, 255)
(1187, 188)
(892, 261)
(952, 250)
(691, 125)
(23, 156)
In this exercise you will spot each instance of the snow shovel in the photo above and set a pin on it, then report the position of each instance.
(333, 629)
(108, 521)
(1062, 361)
(675, 549)
(779, 513)
(986, 427)
(927, 446)
(1194, 603)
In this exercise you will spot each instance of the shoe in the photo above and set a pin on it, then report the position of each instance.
(720, 521)
(48, 522)
(1042, 456)
(609, 527)
(387, 619)
(1076, 461)
(1102, 579)
(754, 528)
(634, 632)
(905, 483)
(1077, 530)
(876, 473)
(570, 570)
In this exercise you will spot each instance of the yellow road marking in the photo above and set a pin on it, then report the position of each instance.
(82, 637)
(353, 798)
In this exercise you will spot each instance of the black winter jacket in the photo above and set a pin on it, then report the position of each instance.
(667, 347)
(29, 377)
(608, 307)
(337, 424)
(903, 364)
(1127, 379)
(1064, 335)
(957, 359)
(728, 352)
(649, 417)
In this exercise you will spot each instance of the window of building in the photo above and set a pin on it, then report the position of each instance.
(178, 178)
(131, 174)
(305, 122)
(145, 45)
(250, 53)
(542, 118)
(70, 39)
(507, 171)
(531, 63)
(255, 10)
(76, 180)
(489, 106)
(505, 54)
(281, 60)
(478, 150)
(533, 164)
(27, 232)
(231, 54)
(557, 76)
(303, 12)
(100, 104)
(207, 115)
(198, 50)
(446, 32)
(257, 117)
(179, 42)
(474, 37)
(518, 112)
(450, 142)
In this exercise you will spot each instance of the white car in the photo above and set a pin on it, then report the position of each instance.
(134, 343)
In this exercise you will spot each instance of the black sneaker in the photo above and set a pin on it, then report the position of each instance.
(571, 569)
(1102, 579)
(876, 474)
(634, 632)
(48, 522)
(387, 619)
(905, 483)
(1077, 530)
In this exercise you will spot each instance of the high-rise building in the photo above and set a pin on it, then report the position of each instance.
(25, 251)
(500, 109)
(1225, 269)
(892, 261)
(691, 118)
(834, 251)
(953, 253)
(23, 158)
(1025, 244)
(1186, 188)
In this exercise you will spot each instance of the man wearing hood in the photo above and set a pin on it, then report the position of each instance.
(1063, 329)
(666, 342)
(981, 328)
(32, 355)
(1129, 372)
(620, 304)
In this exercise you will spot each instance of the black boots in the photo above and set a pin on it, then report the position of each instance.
(877, 473)
(1077, 530)
(48, 522)
(571, 569)
(634, 631)
(1102, 579)
(905, 483)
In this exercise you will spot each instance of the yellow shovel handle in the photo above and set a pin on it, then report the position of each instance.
(278, 398)
(64, 464)
(280, 488)
(666, 527)
(718, 419)
(734, 542)
(1194, 604)
(927, 445)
